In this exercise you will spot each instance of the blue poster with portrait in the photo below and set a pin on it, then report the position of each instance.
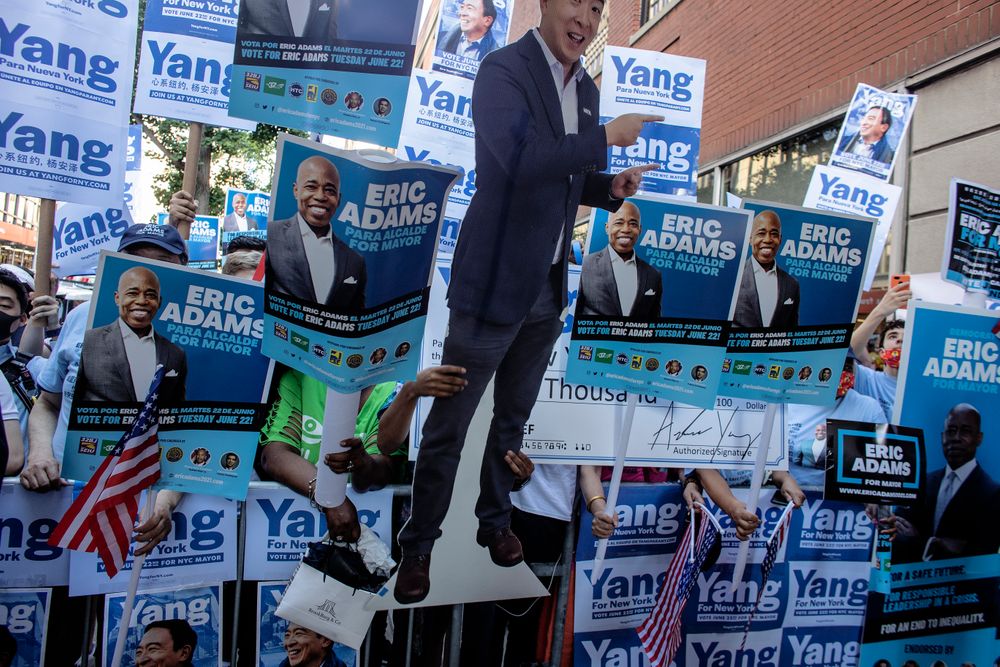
(24, 613)
(359, 318)
(275, 645)
(796, 305)
(673, 147)
(194, 323)
(245, 215)
(657, 290)
(199, 610)
(872, 129)
(338, 68)
(469, 31)
(202, 242)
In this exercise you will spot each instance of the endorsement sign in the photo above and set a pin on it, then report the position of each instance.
(798, 298)
(66, 84)
(245, 215)
(186, 63)
(271, 628)
(199, 322)
(663, 334)
(350, 249)
(874, 463)
(438, 129)
(337, 68)
(972, 238)
(200, 549)
(24, 612)
(577, 424)
(200, 607)
(638, 81)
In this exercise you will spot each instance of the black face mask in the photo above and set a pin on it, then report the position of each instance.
(6, 322)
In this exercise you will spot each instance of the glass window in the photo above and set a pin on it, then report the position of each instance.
(706, 186)
(781, 172)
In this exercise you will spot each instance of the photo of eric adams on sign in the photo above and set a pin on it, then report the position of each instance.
(350, 247)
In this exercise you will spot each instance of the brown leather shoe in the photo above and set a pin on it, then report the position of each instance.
(505, 548)
(413, 580)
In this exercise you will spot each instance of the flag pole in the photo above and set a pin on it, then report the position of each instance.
(755, 483)
(621, 449)
(133, 586)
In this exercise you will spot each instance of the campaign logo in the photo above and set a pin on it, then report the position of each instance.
(319, 351)
(88, 446)
(354, 360)
(652, 364)
(742, 367)
(174, 454)
(759, 369)
(727, 364)
(329, 96)
(312, 92)
(621, 359)
(108, 446)
(788, 373)
(636, 362)
(336, 356)
(251, 81)
(274, 86)
(774, 373)
(281, 331)
(586, 353)
(300, 341)
(604, 356)
(296, 89)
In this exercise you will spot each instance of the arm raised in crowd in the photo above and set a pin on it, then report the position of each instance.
(895, 298)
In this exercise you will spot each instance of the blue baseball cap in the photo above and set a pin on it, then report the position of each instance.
(163, 236)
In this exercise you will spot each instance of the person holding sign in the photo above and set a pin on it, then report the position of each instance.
(949, 522)
(614, 282)
(870, 141)
(119, 359)
(881, 385)
(304, 257)
(539, 151)
(768, 296)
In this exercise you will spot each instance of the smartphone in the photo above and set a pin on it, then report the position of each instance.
(898, 278)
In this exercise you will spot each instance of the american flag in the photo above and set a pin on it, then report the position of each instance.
(101, 517)
(660, 632)
(771, 550)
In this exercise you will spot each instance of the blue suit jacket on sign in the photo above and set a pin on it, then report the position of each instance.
(271, 17)
(530, 178)
(786, 312)
(287, 269)
(451, 40)
(599, 291)
(881, 152)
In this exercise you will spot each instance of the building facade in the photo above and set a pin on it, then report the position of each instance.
(18, 229)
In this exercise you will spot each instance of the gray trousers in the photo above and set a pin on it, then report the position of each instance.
(518, 354)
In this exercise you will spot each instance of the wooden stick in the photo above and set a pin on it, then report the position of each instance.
(43, 251)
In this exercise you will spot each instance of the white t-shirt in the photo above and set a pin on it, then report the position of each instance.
(7, 405)
(549, 493)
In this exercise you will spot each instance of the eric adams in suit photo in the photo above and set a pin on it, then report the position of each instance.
(768, 297)
(314, 20)
(614, 282)
(118, 360)
(304, 257)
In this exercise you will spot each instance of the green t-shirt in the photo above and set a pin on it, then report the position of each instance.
(296, 417)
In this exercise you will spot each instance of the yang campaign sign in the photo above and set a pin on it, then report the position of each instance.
(81, 232)
(470, 30)
(637, 81)
(808, 612)
(972, 238)
(438, 129)
(281, 524)
(271, 628)
(25, 614)
(872, 129)
(199, 608)
(198, 322)
(798, 298)
(937, 595)
(359, 318)
(66, 79)
(200, 549)
(26, 521)
(577, 424)
(186, 65)
(133, 167)
(658, 327)
(843, 191)
(336, 68)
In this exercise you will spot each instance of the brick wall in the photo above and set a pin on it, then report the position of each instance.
(773, 65)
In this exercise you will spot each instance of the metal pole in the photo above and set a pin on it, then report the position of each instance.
(559, 620)
(241, 545)
(409, 638)
(455, 641)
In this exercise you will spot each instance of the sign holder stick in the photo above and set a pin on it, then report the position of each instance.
(621, 449)
(133, 587)
(190, 182)
(43, 250)
(339, 417)
(755, 483)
